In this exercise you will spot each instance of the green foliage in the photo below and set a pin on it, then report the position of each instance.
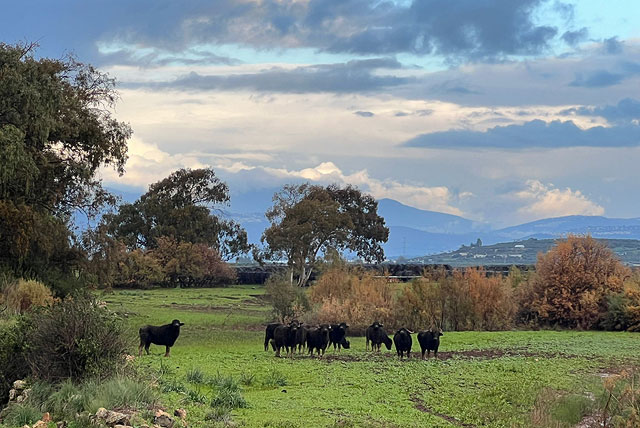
(289, 302)
(13, 365)
(89, 340)
(22, 414)
(56, 132)
(274, 378)
(227, 393)
(307, 220)
(180, 207)
(195, 375)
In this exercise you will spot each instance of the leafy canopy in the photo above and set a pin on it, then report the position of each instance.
(180, 206)
(307, 220)
(56, 131)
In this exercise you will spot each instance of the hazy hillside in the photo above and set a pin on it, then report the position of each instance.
(522, 252)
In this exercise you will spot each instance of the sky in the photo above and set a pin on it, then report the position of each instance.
(501, 111)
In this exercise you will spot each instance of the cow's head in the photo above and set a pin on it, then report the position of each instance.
(176, 323)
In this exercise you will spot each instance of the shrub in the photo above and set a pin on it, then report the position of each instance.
(228, 394)
(288, 301)
(25, 294)
(75, 339)
(195, 375)
(274, 378)
(22, 414)
(573, 281)
(623, 309)
(13, 365)
(354, 296)
(465, 300)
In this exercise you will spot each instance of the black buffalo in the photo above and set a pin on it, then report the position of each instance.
(284, 336)
(430, 341)
(301, 338)
(402, 340)
(268, 334)
(377, 336)
(164, 335)
(337, 335)
(318, 338)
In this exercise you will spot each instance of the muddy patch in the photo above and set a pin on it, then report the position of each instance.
(421, 406)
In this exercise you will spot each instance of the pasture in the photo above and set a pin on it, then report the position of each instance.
(488, 379)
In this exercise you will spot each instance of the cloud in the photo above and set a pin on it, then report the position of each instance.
(573, 38)
(597, 79)
(627, 110)
(352, 76)
(533, 134)
(545, 201)
(612, 46)
(364, 113)
(462, 28)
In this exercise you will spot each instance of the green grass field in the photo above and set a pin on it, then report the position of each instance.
(488, 379)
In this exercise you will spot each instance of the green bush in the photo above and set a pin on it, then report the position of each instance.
(75, 339)
(228, 394)
(13, 365)
(289, 301)
(22, 414)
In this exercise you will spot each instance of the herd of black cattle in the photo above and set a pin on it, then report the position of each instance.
(296, 336)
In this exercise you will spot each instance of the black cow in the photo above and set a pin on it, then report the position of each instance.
(402, 340)
(377, 336)
(345, 343)
(284, 336)
(268, 334)
(430, 341)
(318, 338)
(301, 338)
(337, 335)
(164, 335)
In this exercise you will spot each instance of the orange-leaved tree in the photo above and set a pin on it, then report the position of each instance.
(573, 281)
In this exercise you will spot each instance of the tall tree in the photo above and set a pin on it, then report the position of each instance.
(307, 220)
(180, 206)
(56, 131)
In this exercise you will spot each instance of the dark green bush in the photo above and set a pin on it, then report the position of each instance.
(12, 350)
(75, 339)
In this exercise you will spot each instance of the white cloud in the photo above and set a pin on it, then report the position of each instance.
(544, 201)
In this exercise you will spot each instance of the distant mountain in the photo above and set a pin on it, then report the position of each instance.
(524, 252)
(597, 226)
(398, 214)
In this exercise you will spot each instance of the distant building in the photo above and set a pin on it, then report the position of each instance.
(518, 246)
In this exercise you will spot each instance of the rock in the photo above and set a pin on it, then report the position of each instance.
(163, 419)
(12, 394)
(19, 385)
(25, 394)
(61, 424)
(41, 424)
(181, 413)
(26, 426)
(46, 417)
(116, 418)
(122, 426)
(102, 413)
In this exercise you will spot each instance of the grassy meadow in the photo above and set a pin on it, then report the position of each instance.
(488, 379)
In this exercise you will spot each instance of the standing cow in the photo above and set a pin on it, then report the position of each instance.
(301, 338)
(377, 336)
(402, 340)
(268, 334)
(338, 334)
(165, 335)
(284, 336)
(318, 339)
(430, 341)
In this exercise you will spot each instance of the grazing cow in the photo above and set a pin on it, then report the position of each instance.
(318, 338)
(337, 334)
(430, 341)
(301, 338)
(377, 336)
(345, 343)
(268, 334)
(402, 340)
(164, 335)
(284, 336)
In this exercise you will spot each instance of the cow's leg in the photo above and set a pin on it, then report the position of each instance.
(423, 354)
(168, 349)
(140, 349)
(146, 347)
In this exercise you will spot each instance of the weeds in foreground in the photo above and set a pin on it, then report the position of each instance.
(274, 379)
(196, 376)
(620, 405)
